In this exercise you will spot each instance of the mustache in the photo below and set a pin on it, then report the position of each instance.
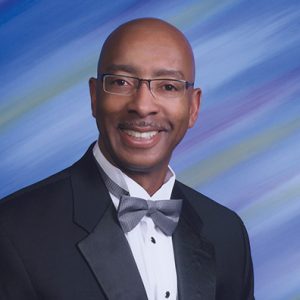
(152, 125)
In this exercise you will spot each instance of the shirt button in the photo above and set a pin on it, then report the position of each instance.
(153, 240)
(167, 294)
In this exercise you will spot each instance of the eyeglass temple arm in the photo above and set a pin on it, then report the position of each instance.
(189, 84)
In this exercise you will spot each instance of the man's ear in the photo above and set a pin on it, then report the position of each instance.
(93, 94)
(194, 106)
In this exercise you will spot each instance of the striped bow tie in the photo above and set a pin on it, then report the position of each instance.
(164, 213)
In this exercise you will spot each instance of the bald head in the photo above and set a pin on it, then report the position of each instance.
(137, 42)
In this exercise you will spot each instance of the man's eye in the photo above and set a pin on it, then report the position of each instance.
(169, 88)
(119, 82)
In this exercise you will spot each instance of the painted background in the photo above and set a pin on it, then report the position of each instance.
(244, 151)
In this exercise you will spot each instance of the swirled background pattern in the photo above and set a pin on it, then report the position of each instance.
(244, 151)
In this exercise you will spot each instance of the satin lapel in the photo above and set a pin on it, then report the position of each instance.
(194, 255)
(105, 248)
(107, 252)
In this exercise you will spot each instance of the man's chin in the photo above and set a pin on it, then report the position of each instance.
(143, 165)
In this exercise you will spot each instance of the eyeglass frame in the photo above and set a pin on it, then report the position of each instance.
(140, 80)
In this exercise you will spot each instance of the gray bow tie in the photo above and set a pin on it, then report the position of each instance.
(164, 213)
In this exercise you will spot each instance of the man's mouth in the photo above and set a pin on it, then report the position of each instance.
(142, 130)
(141, 135)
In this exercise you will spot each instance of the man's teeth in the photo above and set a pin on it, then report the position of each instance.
(141, 135)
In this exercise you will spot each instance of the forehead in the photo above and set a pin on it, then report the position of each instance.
(148, 51)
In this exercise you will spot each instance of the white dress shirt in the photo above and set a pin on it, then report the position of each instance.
(151, 248)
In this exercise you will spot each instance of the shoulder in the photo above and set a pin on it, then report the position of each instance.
(34, 198)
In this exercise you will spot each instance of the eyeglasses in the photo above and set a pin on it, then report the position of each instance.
(160, 88)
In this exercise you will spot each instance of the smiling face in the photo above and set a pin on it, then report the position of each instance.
(138, 133)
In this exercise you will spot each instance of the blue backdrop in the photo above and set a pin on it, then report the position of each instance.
(244, 150)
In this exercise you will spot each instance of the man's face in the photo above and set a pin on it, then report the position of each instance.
(138, 133)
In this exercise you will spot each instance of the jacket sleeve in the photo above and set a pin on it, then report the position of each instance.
(15, 283)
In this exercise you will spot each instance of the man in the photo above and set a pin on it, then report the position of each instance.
(79, 235)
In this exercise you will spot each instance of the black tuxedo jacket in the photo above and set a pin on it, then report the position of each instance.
(60, 240)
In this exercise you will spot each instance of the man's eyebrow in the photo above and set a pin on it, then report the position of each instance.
(169, 73)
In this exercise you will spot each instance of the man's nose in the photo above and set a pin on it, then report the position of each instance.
(143, 101)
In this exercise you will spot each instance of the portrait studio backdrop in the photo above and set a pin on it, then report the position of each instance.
(244, 151)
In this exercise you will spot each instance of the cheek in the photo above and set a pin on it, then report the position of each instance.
(105, 122)
(179, 115)
(106, 107)
(109, 110)
(179, 118)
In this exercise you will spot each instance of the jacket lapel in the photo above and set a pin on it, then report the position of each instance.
(107, 252)
(105, 248)
(194, 255)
